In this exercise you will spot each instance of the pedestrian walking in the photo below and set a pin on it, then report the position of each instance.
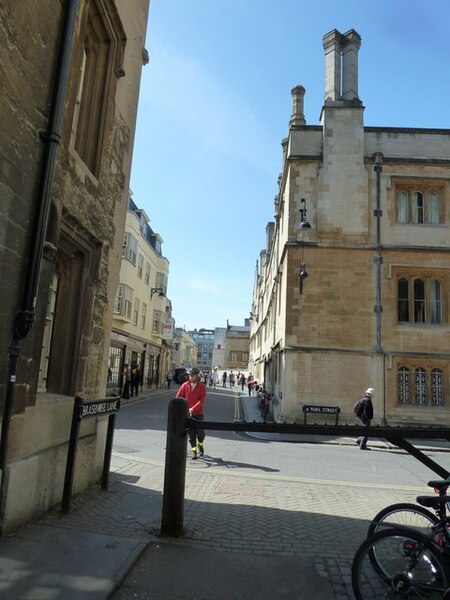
(194, 391)
(364, 411)
(250, 383)
(169, 379)
(224, 379)
(126, 381)
(215, 377)
(135, 379)
(231, 379)
(242, 381)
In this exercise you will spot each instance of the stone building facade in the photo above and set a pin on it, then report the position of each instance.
(231, 348)
(184, 350)
(70, 75)
(353, 287)
(141, 306)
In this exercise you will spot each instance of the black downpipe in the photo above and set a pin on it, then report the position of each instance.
(378, 260)
(25, 317)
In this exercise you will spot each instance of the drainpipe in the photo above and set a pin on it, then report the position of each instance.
(51, 139)
(378, 260)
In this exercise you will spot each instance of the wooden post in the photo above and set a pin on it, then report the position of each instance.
(175, 469)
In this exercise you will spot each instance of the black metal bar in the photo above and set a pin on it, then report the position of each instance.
(423, 458)
(108, 451)
(377, 431)
(175, 469)
(71, 455)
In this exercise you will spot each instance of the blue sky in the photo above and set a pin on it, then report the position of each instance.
(215, 104)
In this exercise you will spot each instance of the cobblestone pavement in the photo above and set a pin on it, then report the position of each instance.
(271, 515)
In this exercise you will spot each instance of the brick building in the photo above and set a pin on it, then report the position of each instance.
(70, 76)
(352, 289)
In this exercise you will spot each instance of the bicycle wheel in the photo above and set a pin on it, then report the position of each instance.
(408, 566)
(403, 514)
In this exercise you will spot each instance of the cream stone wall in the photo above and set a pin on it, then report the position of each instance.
(318, 377)
(326, 343)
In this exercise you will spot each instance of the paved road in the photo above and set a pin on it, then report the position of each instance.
(290, 504)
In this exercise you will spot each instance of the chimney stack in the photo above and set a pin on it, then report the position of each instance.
(332, 47)
(351, 43)
(341, 65)
(298, 95)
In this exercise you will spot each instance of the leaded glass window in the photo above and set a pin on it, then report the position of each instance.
(437, 387)
(404, 389)
(421, 386)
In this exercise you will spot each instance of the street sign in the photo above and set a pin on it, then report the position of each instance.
(99, 407)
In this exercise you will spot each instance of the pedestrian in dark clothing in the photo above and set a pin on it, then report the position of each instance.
(365, 414)
(135, 380)
(224, 379)
(242, 381)
(126, 381)
(169, 379)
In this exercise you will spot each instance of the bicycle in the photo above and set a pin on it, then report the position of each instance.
(400, 562)
(405, 514)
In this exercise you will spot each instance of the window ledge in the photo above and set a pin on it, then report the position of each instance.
(121, 318)
(81, 168)
(424, 325)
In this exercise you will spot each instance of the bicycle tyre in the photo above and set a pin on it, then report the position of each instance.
(412, 567)
(403, 514)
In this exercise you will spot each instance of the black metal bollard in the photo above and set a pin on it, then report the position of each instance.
(175, 469)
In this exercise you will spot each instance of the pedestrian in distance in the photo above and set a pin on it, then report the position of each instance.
(215, 377)
(242, 381)
(250, 383)
(363, 409)
(224, 379)
(194, 391)
(126, 381)
(231, 379)
(169, 379)
(135, 379)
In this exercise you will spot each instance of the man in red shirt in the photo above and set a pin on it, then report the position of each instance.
(194, 391)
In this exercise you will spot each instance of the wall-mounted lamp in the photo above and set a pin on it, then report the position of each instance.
(303, 222)
(302, 275)
(158, 291)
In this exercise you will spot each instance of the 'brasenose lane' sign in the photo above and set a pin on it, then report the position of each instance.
(99, 408)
